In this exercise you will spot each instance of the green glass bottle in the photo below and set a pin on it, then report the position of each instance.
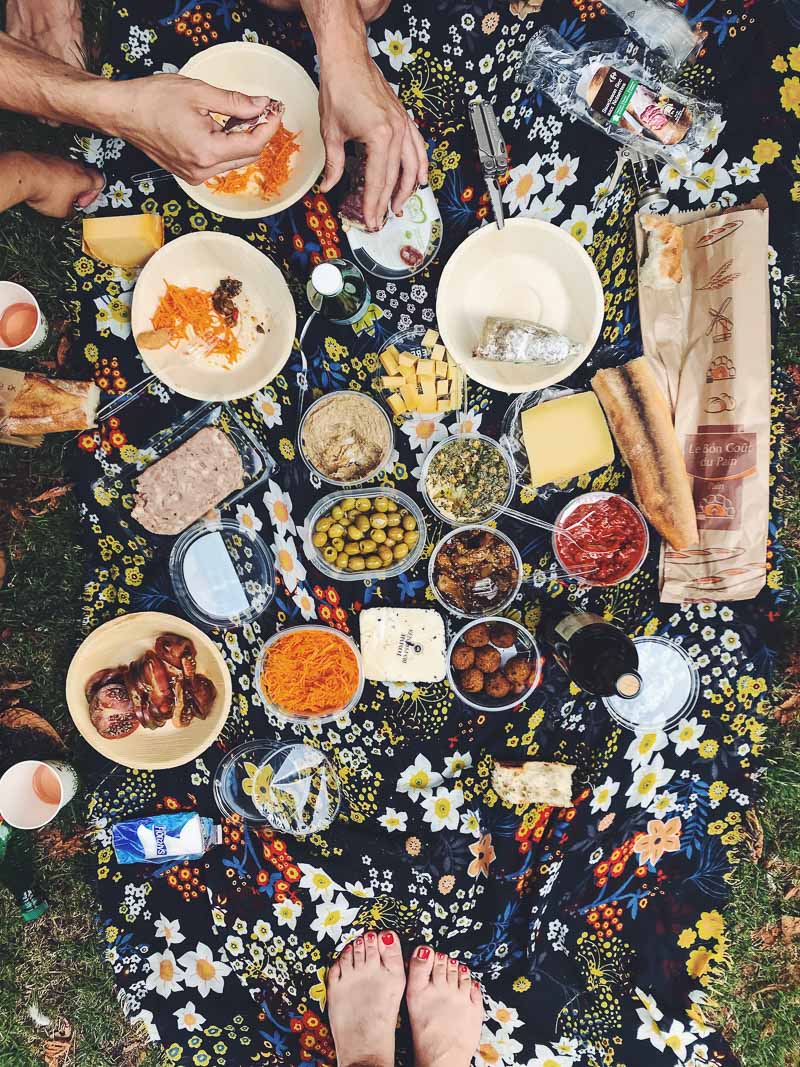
(338, 291)
(17, 872)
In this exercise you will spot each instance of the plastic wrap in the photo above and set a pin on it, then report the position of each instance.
(615, 87)
(662, 28)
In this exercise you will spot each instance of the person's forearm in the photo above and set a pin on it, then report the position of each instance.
(36, 84)
(338, 28)
(15, 179)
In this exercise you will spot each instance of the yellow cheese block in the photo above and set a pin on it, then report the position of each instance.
(427, 405)
(437, 352)
(405, 359)
(430, 339)
(426, 368)
(408, 374)
(389, 361)
(392, 381)
(410, 397)
(566, 437)
(396, 403)
(442, 388)
(442, 405)
(123, 241)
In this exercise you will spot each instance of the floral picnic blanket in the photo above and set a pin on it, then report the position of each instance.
(595, 930)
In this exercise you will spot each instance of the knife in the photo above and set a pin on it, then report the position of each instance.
(491, 152)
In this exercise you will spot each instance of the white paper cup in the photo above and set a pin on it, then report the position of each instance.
(34, 791)
(12, 293)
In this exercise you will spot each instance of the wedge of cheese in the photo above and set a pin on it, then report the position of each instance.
(402, 645)
(566, 437)
(123, 241)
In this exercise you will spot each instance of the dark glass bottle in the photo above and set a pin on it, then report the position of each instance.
(17, 872)
(598, 657)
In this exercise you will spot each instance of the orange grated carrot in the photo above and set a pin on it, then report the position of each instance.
(270, 172)
(310, 673)
(179, 308)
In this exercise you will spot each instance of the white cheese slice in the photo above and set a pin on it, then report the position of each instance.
(402, 645)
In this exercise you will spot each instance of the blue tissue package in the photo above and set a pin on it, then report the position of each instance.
(182, 835)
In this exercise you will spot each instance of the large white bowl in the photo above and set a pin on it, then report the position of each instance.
(201, 260)
(528, 270)
(122, 640)
(258, 70)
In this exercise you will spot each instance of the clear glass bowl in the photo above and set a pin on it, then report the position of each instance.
(327, 502)
(299, 718)
(222, 575)
(318, 473)
(670, 687)
(491, 608)
(524, 644)
(589, 498)
(450, 442)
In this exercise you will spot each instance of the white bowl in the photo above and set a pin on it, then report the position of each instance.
(202, 260)
(528, 270)
(258, 70)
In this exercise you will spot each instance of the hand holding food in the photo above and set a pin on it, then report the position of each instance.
(170, 119)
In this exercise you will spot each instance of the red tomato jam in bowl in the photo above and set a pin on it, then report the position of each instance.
(601, 538)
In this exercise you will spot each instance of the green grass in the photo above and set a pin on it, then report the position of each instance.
(56, 962)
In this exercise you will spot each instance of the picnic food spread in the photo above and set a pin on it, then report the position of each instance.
(361, 533)
(310, 673)
(602, 540)
(432, 384)
(467, 479)
(422, 831)
(209, 320)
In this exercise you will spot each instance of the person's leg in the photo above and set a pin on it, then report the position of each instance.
(370, 9)
(365, 987)
(445, 1009)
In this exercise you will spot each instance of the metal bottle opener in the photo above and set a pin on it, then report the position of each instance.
(491, 152)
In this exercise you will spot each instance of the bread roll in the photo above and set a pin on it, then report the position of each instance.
(641, 423)
(44, 405)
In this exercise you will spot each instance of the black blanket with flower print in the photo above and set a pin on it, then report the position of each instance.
(595, 929)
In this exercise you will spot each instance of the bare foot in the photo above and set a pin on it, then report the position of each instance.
(365, 987)
(445, 1008)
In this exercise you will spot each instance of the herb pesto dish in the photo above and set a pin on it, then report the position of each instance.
(467, 479)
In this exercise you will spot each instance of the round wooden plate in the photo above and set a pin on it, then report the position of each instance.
(202, 260)
(258, 70)
(122, 640)
(528, 270)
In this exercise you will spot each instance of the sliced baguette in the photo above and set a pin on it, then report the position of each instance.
(641, 423)
(45, 405)
(534, 783)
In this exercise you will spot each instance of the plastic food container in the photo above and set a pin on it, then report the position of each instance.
(450, 442)
(294, 717)
(292, 788)
(222, 575)
(493, 608)
(637, 520)
(405, 341)
(120, 489)
(381, 467)
(323, 507)
(524, 644)
(670, 686)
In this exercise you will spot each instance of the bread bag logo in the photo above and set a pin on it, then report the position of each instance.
(718, 459)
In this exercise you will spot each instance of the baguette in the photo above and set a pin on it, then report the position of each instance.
(534, 783)
(641, 423)
(45, 405)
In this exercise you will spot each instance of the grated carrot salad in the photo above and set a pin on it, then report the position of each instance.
(310, 673)
(178, 309)
(270, 172)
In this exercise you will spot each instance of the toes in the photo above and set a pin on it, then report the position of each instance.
(371, 947)
(345, 961)
(390, 951)
(420, 966)
(335, 972)
(452, 971)
(359, 952)
(464, 976)
(475, 994)
(440, 968)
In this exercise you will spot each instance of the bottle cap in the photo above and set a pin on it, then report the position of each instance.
(327, 279)
(629, 684)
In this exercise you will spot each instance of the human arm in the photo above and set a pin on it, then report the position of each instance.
(50, 185)
(54, 27)
(356, 104)
(166, 116)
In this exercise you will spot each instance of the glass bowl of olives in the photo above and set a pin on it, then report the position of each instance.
(366, 534)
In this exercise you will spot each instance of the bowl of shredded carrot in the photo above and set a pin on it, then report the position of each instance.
(292, 160)
(310, 674)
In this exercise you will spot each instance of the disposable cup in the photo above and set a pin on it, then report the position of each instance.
(34, 791)
(13, 293)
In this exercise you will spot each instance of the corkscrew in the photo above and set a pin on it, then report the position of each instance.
(646, 179)
(492, 152)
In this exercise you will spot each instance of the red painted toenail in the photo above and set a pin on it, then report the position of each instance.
(463, 969)
(423, 953)
(387, 938)
(370, 937)
(440, 956)
(359, 940)
(348, 948)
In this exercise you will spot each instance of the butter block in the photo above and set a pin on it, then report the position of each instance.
(430, 338)
(402, 645)
(125, 241)
(566, 437)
